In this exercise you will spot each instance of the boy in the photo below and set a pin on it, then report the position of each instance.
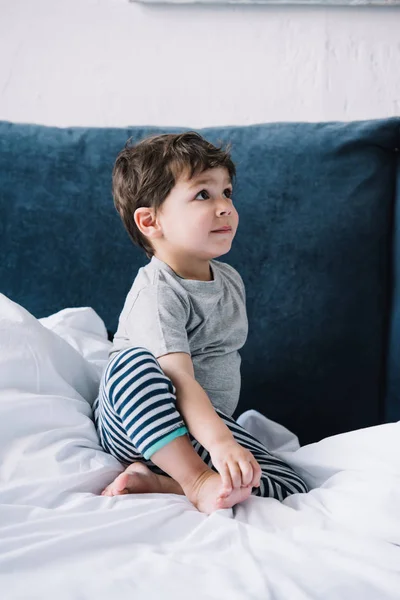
(173, 379)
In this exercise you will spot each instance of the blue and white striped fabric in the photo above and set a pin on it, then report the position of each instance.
(135, 412)
(135, 415)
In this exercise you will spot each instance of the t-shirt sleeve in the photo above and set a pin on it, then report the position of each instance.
(157, 321)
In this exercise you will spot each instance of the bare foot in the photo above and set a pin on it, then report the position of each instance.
(208, 496)
(206, 492)
(138, 479)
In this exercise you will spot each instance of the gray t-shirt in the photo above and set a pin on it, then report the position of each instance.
(165, 313)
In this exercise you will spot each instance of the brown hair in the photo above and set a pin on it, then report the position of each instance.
(144, 174)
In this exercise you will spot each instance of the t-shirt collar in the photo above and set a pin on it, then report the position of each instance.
(160, 264)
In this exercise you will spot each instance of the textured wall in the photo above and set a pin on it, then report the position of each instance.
(111, 62)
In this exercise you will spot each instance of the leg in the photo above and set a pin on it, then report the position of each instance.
(200, 484)
(136, 418)
(278, 479)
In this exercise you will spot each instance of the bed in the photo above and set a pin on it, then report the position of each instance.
(61, 539)
(326, 312)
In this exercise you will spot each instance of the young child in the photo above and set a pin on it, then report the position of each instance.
(173, 378)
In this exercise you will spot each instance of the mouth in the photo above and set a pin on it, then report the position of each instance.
(222, 230)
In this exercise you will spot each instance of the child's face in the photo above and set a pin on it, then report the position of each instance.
(194, 209)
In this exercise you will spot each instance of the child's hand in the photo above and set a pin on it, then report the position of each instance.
(236, 465)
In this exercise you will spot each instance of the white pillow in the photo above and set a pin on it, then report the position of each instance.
(48, 442)
(85, 331)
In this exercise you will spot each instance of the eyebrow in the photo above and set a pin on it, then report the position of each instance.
(206, 180)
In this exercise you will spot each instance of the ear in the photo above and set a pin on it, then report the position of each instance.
(147, 223)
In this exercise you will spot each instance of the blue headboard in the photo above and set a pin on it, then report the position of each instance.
(314, 246)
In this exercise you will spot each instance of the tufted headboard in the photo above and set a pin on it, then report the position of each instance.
(316, 246)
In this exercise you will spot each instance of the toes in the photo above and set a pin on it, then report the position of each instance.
(225, 503)
(132, 480)
(119, 484)
(113, 490)
(224, 494)
(233, 498)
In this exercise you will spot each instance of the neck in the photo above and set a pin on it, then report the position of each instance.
(191, 268)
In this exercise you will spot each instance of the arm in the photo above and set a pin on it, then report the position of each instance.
(236, 465)
(192, 401)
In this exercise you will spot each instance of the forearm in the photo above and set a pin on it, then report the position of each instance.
(198, 413)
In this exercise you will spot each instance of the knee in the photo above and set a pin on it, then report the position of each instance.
(144, 354)
(135, 357)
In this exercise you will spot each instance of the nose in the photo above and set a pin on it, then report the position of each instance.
(224, 207)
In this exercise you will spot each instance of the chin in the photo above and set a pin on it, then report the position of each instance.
(223, 249)
(221, 253)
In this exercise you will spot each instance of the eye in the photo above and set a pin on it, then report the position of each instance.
(228, 192)
(202, 193)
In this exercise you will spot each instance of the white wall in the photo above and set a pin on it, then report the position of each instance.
(112, 63)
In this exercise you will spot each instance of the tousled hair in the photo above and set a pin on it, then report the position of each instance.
(145, 173)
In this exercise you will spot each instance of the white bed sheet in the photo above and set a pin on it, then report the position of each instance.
(60, 539)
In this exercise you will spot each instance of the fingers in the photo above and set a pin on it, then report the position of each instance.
(250, 472)
(226, 480)
(239, 472)
(236, 474)
(246, 469)
(256, 473)
(245, 473)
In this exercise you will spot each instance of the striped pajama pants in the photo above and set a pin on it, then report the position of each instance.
(135, 415)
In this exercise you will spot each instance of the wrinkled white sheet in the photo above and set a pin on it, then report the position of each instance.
(60, 539)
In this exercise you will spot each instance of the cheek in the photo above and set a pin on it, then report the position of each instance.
(200, 218)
